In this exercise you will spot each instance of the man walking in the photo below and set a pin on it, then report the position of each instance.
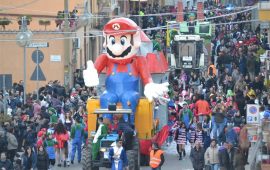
(77, 133)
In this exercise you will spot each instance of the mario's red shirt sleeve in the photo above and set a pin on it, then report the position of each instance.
(143, 70)
(101, 62)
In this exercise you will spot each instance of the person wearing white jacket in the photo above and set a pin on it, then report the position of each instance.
(211, 155)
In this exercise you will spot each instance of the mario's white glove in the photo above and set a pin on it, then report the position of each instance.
(90, 75)
(153, 90)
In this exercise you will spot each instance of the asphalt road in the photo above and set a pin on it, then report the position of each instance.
(172, 161)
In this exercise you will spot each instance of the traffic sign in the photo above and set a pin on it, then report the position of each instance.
(38, 57)
(38, 45)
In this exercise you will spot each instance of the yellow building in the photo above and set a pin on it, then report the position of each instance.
(62, 57)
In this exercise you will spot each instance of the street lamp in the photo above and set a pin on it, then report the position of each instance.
(85, 19)
(23, 39)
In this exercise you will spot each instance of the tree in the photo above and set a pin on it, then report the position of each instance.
(45, 23)
(4, 21)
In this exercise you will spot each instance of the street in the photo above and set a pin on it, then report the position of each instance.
(171, 160)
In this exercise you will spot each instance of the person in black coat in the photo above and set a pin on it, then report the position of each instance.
(226, 156)
(42, 159)
(5, 163)
(197, 156)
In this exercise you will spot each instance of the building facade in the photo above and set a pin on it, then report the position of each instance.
(60, 57)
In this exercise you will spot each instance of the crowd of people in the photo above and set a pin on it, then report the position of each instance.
(207, 109)
(44, 131)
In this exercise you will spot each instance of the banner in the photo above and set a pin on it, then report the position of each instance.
(180, 15)
(252, 114)
(200, 11)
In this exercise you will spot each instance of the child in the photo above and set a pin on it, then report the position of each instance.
(41, 137)
(199, 134)
(49, 145)
(192, 131)
(181, 139)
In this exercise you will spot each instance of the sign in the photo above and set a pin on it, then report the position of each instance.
(252, 114)
(200, 11)
(187, 58)
(170, 3)
(56, 58)
(187, 66)
(37, 58)
(38, 45)
(180, 16)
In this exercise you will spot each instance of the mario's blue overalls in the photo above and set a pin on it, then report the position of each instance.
(121, 87)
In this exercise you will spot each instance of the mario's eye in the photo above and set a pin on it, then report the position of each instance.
(112, 40)
(123, 40)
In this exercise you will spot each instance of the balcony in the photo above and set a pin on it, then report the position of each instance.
(264, 10)
(264, 5)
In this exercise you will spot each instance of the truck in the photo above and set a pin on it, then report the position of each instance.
(188, 52)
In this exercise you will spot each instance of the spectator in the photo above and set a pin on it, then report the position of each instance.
(223, 156)
(62, 137)
(202, 108)
(12, 144)
(238, 161)
(42, 158)
(77, 133)
(186, 114)
(29, 159)
(49, 144)
(29, 137)
(219, 120)
(181, 139)
(197, 156)
(5, 164)
(211, 155)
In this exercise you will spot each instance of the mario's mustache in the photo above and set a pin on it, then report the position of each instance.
(124, 53)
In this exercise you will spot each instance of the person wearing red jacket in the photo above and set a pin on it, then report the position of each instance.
(202, 108)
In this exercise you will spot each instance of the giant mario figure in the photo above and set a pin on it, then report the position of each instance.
(124, 68)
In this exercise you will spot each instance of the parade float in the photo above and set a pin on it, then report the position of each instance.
(126, 71)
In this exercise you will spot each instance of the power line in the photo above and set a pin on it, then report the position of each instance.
(177, 24)
(146, 15)
(100, 35)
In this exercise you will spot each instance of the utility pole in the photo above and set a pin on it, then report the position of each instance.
(68, 81)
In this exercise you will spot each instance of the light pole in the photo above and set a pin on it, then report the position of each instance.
(23, 38)
(85, 20)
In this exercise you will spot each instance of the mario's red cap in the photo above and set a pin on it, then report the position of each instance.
(120, 26)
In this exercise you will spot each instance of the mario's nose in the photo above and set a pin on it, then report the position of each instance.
(117, 49)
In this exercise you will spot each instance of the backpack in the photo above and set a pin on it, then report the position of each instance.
(3, 143)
